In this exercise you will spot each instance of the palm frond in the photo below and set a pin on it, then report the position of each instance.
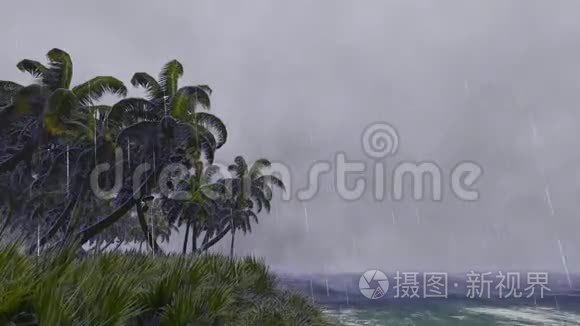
(140, 133)
(214, 124)
(26, 96)
(208, 144)
(169, 77)
(9, 87)
(8, 91)
(95, 88)
(59, 73)
(206, 88)
(200, 141)
(267, 190)
(235, 170)
(259, 197)
(60, 105)
(184, 103)
(200, 95)
(258, 166)
(242, 165)
(151, 86)
(210, 172)
(132, 110)
(271, 180)
(35, 68)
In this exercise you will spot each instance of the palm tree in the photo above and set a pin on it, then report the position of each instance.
(251, 192)
(166, 99)
(174, 106)
(197, 205)
(51, 99)
(43, 122)
(162, 128)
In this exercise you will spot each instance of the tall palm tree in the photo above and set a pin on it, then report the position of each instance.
(165, 127)
(171, 106)
(197, 205)
(251, 192)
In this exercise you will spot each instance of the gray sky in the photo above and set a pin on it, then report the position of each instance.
(460, 80)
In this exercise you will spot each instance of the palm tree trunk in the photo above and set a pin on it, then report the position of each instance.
(148, 235)
(92, 230)
(205, 238)
(98, 244)
(57, 224)
(232, 243)
(215, 239)
(107, 245)
(186, 238)
(5, 224)
(118, 245)
(194, 238)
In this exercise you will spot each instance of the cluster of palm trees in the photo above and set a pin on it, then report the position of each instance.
(52, 136)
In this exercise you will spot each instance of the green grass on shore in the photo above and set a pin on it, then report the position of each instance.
(137, 289)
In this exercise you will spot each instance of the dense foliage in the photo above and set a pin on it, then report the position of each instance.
(135, 289)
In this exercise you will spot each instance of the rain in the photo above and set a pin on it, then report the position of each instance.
(306, 219)
(128, 153)
(346, 293)
(311, 288)
(446, 89)
(549, 200)
(564, 262)
(38, 240)
(536, 142)
(418, 215)
(490, 82)
(67, 169)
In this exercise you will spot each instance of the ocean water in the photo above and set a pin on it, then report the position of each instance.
(342, 300)
(453, 314)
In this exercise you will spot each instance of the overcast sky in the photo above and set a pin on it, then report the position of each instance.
(297, 81)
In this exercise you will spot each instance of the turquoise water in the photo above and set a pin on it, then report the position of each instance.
(448, 315)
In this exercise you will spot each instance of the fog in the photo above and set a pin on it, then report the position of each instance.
(494, 82)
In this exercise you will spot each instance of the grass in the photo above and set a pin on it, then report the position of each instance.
(143, 290)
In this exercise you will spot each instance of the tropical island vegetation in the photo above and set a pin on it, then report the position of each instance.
(72, 253)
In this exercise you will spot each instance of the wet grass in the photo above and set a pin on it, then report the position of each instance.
(137, 289)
